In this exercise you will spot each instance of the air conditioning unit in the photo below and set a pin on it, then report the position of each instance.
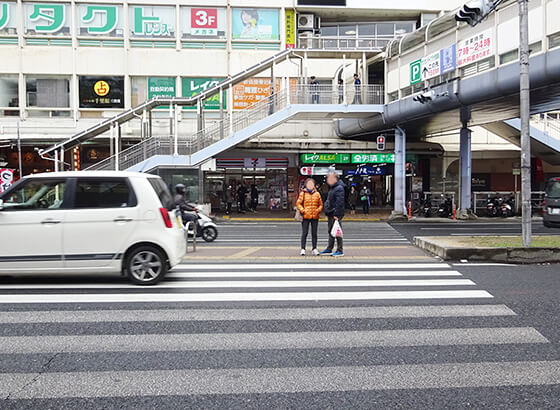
(306, 22)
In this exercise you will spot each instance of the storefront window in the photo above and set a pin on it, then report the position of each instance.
(8, 20)
(202, 23)
(255, 24)
(48, 92)
(100, 20)
(152, 21)
(49, 19)
(139, 87)
(9, 95)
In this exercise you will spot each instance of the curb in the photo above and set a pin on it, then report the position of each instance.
(221, 219)
(501, 255)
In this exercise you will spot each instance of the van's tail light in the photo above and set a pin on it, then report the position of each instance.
(166, 218)
(544, 207)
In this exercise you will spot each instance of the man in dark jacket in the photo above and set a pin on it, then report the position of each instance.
(334, 209)
(183, 206)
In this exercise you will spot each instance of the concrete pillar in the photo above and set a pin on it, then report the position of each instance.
(465, 158)
(400, 173)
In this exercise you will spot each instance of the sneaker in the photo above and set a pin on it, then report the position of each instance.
(315, 252)
(302, 253)
(338, 253)
(326, 252)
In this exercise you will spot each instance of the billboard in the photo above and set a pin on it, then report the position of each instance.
(101, 92)
(255, 24)
(475, 48)
(196, 85)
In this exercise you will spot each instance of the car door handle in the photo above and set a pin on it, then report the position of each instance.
(122, 219)
(50, 221)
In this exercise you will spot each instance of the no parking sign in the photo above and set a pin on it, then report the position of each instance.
(6, 178)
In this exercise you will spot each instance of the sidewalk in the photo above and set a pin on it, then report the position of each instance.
(375, 215)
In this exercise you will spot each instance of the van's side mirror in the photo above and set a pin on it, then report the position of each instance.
(1, 204)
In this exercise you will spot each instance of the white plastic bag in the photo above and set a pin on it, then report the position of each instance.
(336, 230)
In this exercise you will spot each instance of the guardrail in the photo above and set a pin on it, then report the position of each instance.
(480, 200)
(318, 42)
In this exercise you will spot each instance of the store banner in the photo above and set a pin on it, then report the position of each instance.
(161, 87)
(254, 162)
(6, 178)
(8, 20)
(194, 86)
(100, 20)
(325, 158)
(47, 18)
(251, 91)
(367, 170)
(317, 171)
(255, 24)
(101, 92)
(290, 25)
(152, 21)
(475, 48)
(373, 158)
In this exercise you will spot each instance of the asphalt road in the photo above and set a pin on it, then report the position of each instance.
(490, 227)
(385, 327)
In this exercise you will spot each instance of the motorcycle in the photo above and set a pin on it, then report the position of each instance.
(427, 208)
(206, 228)
(507, 208)
(493, 207)
(445, 208)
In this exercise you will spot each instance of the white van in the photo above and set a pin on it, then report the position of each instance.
(90, 221)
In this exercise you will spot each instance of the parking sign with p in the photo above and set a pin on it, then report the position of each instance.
(416, 71)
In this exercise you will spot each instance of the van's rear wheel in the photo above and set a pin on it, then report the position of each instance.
(146, 265)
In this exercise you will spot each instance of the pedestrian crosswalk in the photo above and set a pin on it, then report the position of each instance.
(267, 328)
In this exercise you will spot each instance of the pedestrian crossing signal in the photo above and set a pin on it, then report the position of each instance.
(381, 143)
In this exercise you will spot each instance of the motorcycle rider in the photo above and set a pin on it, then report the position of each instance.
(184, 207)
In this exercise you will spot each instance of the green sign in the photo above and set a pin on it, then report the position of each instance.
(325, 158)
(373, 158)
(416, 71)
(99, 19)
(194, 86)
(161, 87)
(47, 18)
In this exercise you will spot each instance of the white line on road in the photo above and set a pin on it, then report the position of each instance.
(240, 297)
(172, 315)
(297, 240)
(309, 266)
(277, 380)
(312, 273)
(268, 340)
(251, 284)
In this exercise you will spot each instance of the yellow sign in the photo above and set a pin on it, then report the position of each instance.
(101, 88)
(290, 28)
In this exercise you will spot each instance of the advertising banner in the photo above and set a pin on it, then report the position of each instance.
(255, 24)
(475, 48)
(431, 66)
(204, 22)
(325, 158)
(290, 28)
(367, 170)
(101, 92)
(310, 171)
(6, 178)
(161, 87)
(373, 158)
(194, 86)
(448, 59)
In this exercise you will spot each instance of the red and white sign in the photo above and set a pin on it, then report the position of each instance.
(204, 22)
(6, 178)
(475, 48)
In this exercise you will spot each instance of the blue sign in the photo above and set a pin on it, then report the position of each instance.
(367, 170)
(448, 59)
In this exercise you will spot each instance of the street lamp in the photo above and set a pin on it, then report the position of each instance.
(473, 13)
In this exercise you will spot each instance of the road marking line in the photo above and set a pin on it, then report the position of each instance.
(307, 266)
(253, 284)
(245, 252)
(241, 381)
(306, 274)
(171, 315)
(268, 340)
(240, 296)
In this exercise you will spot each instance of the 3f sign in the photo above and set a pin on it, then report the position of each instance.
(203, 19)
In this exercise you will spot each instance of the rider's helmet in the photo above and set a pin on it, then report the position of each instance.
(180, 189)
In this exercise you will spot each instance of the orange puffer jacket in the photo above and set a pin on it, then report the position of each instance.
(310, 205)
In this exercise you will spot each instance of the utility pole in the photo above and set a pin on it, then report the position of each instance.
(524, 115)
(19, 152)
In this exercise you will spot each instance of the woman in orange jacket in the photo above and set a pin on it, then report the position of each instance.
(310, 205)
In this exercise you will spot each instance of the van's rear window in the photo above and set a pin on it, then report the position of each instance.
(553, 189)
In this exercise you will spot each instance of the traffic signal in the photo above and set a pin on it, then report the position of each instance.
(424, 97)
(474, 11)
(381, 143)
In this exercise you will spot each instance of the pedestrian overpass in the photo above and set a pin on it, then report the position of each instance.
(470, 88)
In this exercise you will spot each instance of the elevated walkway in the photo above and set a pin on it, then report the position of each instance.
(292, 103)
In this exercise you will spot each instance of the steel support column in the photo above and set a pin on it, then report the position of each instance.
(400, 173)
(465, 159)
